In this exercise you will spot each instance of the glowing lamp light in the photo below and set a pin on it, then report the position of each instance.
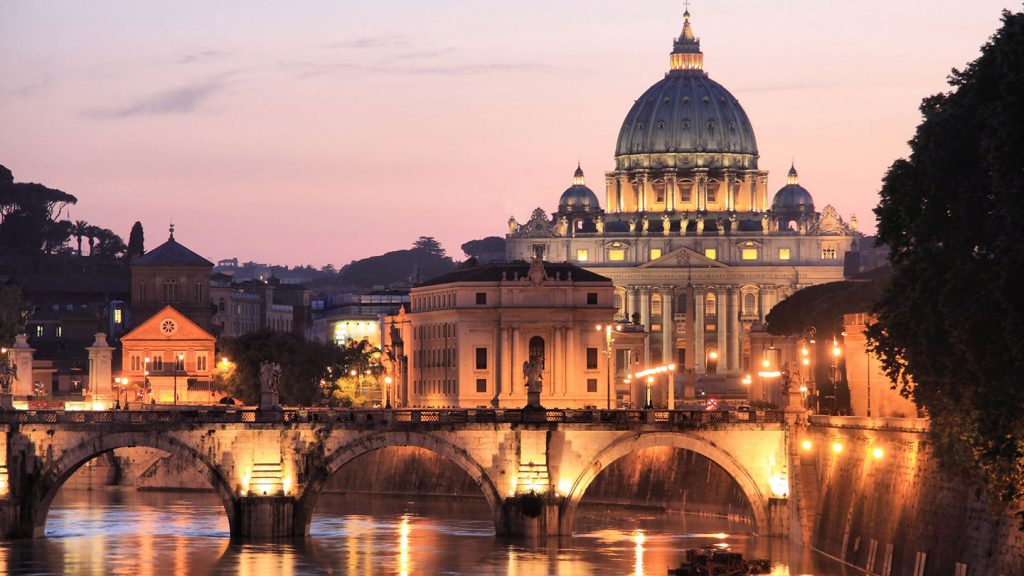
(713, 354)
(878, 453)
(806, 445)
(804, 351)
(836, 351)
(837, 447)
(765, 363)
(780, 486)
(806, 362)
(564, 486)
(747, 379)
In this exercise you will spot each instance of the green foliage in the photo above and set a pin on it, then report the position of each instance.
(484, 246)
(307, 367)
(425, 260)
(822, 306)
(136, 241)
(11, 304)
(950, 323)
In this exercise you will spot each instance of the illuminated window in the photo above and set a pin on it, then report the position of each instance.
(712, 192)
(655, 253)
(748, 253)
(60, 332)
(39, 331)
(711, 253)
(117, 315)
(710, 304)
(686, 194)
(179, 361)
(616, 255)
(582, 255)
(749, 304)
(656, 304)
(783, 253)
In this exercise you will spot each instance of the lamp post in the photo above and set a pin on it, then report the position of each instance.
(836, 352)
(387, 383)
(648, 405)
(117, 393)
(608, 341)
(180, 360)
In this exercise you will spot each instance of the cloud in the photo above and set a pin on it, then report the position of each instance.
(183, 100)
(203, 55)
(371, 42)
(315, 69)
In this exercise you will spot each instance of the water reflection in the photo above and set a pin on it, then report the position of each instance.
(185, 534)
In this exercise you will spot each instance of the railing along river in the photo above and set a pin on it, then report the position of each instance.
(400, 416)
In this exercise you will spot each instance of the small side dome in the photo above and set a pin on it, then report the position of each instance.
(578, 199)
(792, 200)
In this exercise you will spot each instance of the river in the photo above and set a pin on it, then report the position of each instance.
(184, 534)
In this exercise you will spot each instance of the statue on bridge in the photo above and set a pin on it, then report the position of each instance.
(533, 371)
(8, 372)
(270, 380)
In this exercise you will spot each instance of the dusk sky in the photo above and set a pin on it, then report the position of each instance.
(319, 132)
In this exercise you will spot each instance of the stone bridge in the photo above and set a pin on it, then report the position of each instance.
(269, 468)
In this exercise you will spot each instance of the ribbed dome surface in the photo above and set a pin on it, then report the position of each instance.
(686, 112)
(792, 197)
(578, 199)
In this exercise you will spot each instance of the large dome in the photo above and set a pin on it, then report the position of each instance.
(687, 113)
(792, 201)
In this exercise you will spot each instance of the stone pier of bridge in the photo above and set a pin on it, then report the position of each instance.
(532, 467)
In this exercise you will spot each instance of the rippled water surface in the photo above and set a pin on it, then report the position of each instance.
(165, 534)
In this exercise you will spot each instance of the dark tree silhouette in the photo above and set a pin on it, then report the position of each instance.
(951, 321)
(30, 216)
(136, 241)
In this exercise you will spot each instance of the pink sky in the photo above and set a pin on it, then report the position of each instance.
(321, 132)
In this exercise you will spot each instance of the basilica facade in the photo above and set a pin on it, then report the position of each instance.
(696, 248)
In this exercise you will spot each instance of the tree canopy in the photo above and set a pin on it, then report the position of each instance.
(306, 366)
(950, 322)
(483, 247)
(424, 260)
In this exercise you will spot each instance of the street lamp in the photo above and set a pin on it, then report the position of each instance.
(180, 361)
(649, 405)
(608, 340)
(387, 382)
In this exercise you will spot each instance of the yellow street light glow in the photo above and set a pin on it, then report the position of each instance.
(713, 354)
(804, 352)
(765, 363)
(837, 447)
(878, 453)
(387, 380)
(747, 379)
(806, 362)
(806, 445)
(836, 351)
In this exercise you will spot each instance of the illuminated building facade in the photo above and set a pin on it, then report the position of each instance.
(177, 354)
(695, 249)
(468, 333)
(172, 275)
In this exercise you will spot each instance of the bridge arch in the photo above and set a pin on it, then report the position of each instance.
(625, 446)
(53, 477)
(365, 444)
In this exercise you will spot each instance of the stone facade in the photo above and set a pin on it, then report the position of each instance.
(176, 357)
(468, 334)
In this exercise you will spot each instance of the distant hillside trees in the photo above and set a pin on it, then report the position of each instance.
(485, 249)
(426, 259)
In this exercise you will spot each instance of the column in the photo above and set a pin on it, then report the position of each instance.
(729, 205)
(702, 191)
(572, 349)
(557, 354)
(499, 363)
(761, 302)
(722, 314)
(611, 193)
(517, 360)
(627, 302)
(635, 307)
(698, 331)
(670, 192)
(645, 321)
(625, 191)
(668, 341)
(734, 329)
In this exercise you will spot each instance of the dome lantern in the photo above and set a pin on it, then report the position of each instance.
(578, 199)
(686, 54)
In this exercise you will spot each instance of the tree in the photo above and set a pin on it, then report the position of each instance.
(79, 229)
(108, 244)
(29, 216)
(136, 241)
(306, 366)
(429, 245)
(485, 248)
(329, 269)
(950, 325)
(11, 304)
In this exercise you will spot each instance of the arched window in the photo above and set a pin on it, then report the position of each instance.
(749, 304)
(656, 305)
(710, 304)
(537, 349)
(170, 290)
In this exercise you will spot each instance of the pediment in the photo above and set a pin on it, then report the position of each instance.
(683, 257)
(168, 325)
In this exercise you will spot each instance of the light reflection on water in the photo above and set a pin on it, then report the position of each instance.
(163, 534)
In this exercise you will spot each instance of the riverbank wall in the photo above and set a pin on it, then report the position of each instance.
(881, 502)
